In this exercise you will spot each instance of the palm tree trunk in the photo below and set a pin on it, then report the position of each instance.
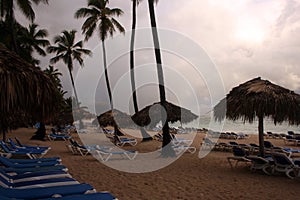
(167, 150)
(132, 78)
(261, 135)
(70, 67)
(145, 135)
(106, 76)
(116, 127)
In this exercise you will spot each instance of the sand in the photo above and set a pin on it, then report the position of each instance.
(187, 178)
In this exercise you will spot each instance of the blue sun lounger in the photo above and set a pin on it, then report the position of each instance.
(53, 136)
(16, 146)
(34, 169)
(33, 176)
(37, 183)
(36, 160)
(45, 192)
(6, 162)
(31, 153)
(92, 196)
(105, 155)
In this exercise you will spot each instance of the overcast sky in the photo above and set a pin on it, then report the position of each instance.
(243, 38)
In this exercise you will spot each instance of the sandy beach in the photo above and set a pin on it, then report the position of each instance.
(187, 178)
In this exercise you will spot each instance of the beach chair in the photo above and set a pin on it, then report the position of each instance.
(208, 144)
(64, 137)
(260, 163)
(284, 164)
(16, 152)
(26, 170)
(37, 183)
(45, 192)
(6, 162)
(239, 155)
(182, 149)
(180, 141)
(105, 155)
(33, 150)
(36, 160)
(18, 144)
(121, 141)
(33, 176)
(76, 148)
(92, 196)
(290, 139)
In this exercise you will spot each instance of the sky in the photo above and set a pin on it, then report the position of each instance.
(209, 46)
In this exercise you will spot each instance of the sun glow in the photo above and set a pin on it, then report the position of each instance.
(250, 31)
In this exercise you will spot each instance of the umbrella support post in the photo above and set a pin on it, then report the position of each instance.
(261, 135)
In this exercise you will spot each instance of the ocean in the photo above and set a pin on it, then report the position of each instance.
(238, 126)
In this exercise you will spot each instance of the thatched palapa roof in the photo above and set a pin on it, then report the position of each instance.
(174, 113)
(259, 97)
(25, 89)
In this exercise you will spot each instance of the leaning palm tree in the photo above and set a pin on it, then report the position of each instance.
(167, 151)
(7, 12)
(32, 40)
(67, 50)
(101, 17)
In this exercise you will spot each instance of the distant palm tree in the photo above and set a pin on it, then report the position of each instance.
(54, 74)
(32, 39)
(67, 50)
(166, 134)
(7, 8)
(101, 17)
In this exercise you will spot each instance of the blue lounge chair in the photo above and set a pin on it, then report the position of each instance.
(6, 162)
(121, 141)
(76, 148)
(105, 154)
(16, 146)
(31, 153)
(37, 183)
(260, 163)
(34, 169)
(34, 176)
(284, 164)
(37, 160)
(239, 155)
(64, 137)
(45, 192)
(92, 196)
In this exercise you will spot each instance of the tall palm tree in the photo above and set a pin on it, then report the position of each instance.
(7, 8)
(167, 151)
(32, 39)
(67, 50)
(146, 136)
(101, 17)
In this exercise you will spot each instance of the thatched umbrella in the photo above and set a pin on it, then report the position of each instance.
(260, 98)
(115, 119)
(25, 89)
(174, 113)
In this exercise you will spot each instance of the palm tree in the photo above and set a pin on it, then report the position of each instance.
(68, 50)
(32, 39)
(167, 151)
(146, 136)
(54, 74)
(7, 12)
(101, 17)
